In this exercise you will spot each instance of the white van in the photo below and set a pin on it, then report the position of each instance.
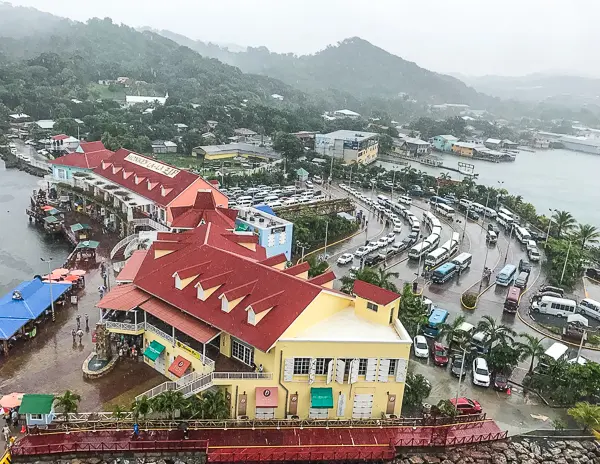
(478, 208)
(463, 260)
(489, 212)
(590, 308)
(522, 235)
(534, 255)
(405, 199)
(556, 352)
(531, 245)
(465, 203)
(561, 307)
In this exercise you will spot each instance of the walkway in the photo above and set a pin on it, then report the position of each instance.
(268, 443)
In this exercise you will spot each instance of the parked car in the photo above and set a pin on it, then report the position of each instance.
(500, 382)
(524, 266)
(493, 228)
(413, 237)
(455, 368)
(420, 347)
(466, 406)
(391, 237)
(374, 259)
(345, 258)
(593, 273)
(473, 215)
(440, 354)
(361, 251)
(397, 228)
(481, 373)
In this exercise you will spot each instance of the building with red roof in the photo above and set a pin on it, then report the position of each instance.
(86, 157)
(214, 311)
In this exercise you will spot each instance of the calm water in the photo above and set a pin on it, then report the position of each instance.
(557, 179)
(22, 244)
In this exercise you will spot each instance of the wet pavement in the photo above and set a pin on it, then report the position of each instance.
(592, 289)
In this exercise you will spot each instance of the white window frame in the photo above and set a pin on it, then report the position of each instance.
(321, 368)
(242, 352)
(301, 366)
(372, 306)
(362, 366)
(393, 368)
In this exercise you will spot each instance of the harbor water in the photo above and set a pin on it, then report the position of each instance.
(557, 179)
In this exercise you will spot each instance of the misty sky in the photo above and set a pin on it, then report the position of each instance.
(474, 37)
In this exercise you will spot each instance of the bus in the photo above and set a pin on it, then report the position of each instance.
(463, 260)
(433, 241)
(418, 250)
(382, 200)
(477, 207)
(489, 212)
(436, 257)
(451, 245)
(522, 234)
(437, 317)
(506, 276)
(444, 210)
(556, 352)
(511, 304)
(428, 219)
(436, 230)
(506, 212)
(504, 220)
(437, 200)
(444, 273)
(562, 307)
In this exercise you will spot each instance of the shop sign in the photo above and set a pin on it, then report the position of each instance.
(186, 348)
(155, 166)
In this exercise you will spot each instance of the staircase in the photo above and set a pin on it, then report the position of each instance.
(117, 253)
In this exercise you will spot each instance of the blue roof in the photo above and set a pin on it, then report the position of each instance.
(438, 316)
(8, 327)
(445, 267)
(266, 209)
(36, 299)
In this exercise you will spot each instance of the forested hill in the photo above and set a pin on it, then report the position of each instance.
(354, 66)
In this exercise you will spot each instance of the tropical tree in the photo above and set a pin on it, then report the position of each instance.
(68, 402)
(447, 408)
(141, 408)
(494, 332)
(214, 405)
(169, 401)
(564, 221)
(449, 331)
(366, 274)
(531, 348)
(412, 312)
(416, 389)
(504, 357)
(118, 413)
(587, 233)
(383, 279)
(317, 267)
(587, 415)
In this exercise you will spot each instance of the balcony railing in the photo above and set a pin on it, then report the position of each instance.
(150, 223)
(160, 333)
(140, 326)
(121, 244)
(243, 375)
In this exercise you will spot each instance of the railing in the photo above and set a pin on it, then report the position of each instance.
(107, 447)
(243, 375)
(160, 333)
(121, 244)
(269, 455)
(125, 326)
(197, 385)
(118, 266)
(131, 247)
(92, 416)
(158, 390)
(150, 223)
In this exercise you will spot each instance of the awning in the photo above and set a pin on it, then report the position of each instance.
(154, 350)
(88, 244)
(179, 366)
(51, 219)
(266, 397)
(77, 227)
(8, 327)
(321, 397)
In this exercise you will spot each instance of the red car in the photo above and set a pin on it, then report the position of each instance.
(465, 406)
(440, 354)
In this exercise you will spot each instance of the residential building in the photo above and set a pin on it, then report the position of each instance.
(274, 233)
(243, 132)
(18, 117)
(465, 148)
(406, 132)
(86, 157)
(38, 409)
(131, 100)
(346, 114)
(351, 146)
(164, 146)
(212, 124)
(214, 312)
(63, 143)
(276, 96)
(45, 124)
(494, 144)
(181, 127)
(412, 146)
(444, 142)
(233, 150)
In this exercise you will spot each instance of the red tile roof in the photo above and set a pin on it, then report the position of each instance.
(298, 268)
(89, 155)
(123, 298)
(196, 269)
(232, 272)
(132, 266)
(185, 323)
(374, 293)
(203, 210)
(59, 137)
(323, 279)
(156, 186)
(274, 260)
(265, 303)
(238, 292)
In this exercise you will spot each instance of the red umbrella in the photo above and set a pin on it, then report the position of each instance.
(78, 272)
(61, 271)
(71, 278)
(12, 400)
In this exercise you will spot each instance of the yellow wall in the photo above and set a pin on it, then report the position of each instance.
(381, 316)
(225, 344)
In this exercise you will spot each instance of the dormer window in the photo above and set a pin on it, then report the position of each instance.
(200, 293)
(224, 304)
(251, 317)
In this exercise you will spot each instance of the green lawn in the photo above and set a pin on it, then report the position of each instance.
(180, 161)
(103, 92)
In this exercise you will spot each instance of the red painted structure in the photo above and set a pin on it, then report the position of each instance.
(266, 444)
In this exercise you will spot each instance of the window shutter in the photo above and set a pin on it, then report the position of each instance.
(371, 374)
(312, 370)
(353, 377)
(330, 371)
(384, 370)
(401, 370)
(288, 370)
(340, 366)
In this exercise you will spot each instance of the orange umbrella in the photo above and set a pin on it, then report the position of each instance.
(61, 271)
(12, 400)
(78, 272)
(71, 278)
(47, 208)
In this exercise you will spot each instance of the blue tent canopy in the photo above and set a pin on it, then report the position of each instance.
(8, 327)
(266, 209)
(35, 299)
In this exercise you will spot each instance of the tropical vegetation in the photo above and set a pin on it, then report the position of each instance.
(68, 403)
(416, 389)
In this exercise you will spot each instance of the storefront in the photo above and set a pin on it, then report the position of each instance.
(155, 356)
(180, 367)
(321, 401)
(266, 402)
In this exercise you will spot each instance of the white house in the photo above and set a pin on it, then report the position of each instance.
(346, 114)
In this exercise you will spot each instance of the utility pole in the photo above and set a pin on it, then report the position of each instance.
(549, 224)
(512, 228)
(565, 265)
(462, 366)
(48, 262)
(393, 182)
(326, 231)
(466, 220)
(501, 183)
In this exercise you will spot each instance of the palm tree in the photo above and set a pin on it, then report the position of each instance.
(383, 279)
(532, 348)
(214, 405)
(68, 402)
(585, 414)
(416, 389)
(169, 401)
(118, 413)
(564, 222)
(412, 312)
(366, 274)
(141, 407)
(316, 267)
(494, 332)
(587, 233)
(449, 331)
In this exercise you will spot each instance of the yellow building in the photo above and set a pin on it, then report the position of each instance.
(234, 150)
(464, 148)
(215, 312)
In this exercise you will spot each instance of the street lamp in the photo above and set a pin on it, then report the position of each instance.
(549, 224)
(466, 220)
(565, 265)
(487, 249)
(512, 229)
(48, 262)
(500, 183)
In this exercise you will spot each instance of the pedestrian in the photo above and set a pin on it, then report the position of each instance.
(80, 335)
(87, 323)
(15, 417)
(78, 318)
(6, 433)
(74, 333)
(136, 430)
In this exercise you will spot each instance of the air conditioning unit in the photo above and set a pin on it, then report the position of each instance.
(261, 220)
(391, 416)
(291, 417)
(243, 418)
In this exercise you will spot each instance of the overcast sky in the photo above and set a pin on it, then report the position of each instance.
(474, 37)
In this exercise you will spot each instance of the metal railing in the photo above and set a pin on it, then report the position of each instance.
(243, 375)
(121, 244)
(108, 447)
(382, 453)
(92, 416)
(150, 223)
(131, 247)
(158, 390)
(160, 333)
(125, 326)
(198, 385)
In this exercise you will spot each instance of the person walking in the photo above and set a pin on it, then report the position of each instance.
(78, 318)
(87, 323)
(15, 417)
(6, 433)
(80, 335)
(74, 334)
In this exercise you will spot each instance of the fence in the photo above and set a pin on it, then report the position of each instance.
(111, 447)
(150, 223)
(160, 333)
(121, 244)
(434, 440)
(270, 455)
(125, 326)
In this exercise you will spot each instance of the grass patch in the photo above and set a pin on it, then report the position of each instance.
(180, 161)
(104, 92)
(125, 399)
